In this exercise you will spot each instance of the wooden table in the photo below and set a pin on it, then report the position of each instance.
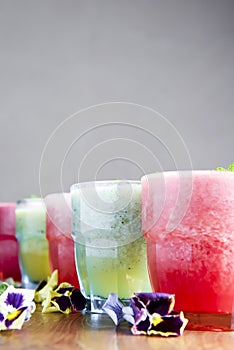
(91, 331)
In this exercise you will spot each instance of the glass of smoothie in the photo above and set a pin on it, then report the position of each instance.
(9, 261)
(58, 233)
(33, 245)
(109, 246)
(188, 222)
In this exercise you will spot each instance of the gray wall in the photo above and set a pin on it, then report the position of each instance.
(57, 57)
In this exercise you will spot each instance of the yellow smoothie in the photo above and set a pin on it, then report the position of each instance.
(33, 245)
(34, 258)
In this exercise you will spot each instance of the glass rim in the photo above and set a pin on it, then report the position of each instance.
(103, 182)
(7, 204)
(35, 200)
(196, 171)
(54, 194)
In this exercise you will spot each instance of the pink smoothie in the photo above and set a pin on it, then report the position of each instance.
(188, 221)
(9, 266)
(58, 233)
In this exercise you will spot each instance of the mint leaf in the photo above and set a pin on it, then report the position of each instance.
(230, 168)
(221, 169)
(3, 287)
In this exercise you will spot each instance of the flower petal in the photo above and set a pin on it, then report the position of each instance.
(137, 305)
(64, 287)
(14, 299)
(44, 288)
(160, 303)
(128, 314)
(168, 325)
(30, 311)
(142, 324)
(113, 307)
(16, 306)
(62, 303)
(78, 301)
(16, 323)
(47, 304)
(12, 316)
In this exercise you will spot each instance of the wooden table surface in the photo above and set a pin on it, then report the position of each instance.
(92, 331)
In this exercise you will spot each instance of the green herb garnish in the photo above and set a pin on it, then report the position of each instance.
(3, 287)
(230, 168)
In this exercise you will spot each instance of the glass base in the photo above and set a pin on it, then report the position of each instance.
(95, 304)
(210, 322)
(28, 284)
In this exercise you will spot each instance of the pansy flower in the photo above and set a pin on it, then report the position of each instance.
(16, 307)
(117, 310)
(44, 287)
(65, 299)
(149, 314)
(153, 314)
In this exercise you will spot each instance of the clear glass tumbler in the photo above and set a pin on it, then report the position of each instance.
(109, 245)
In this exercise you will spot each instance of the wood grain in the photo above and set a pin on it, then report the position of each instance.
(91, 331)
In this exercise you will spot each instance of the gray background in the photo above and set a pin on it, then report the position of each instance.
(57, 57)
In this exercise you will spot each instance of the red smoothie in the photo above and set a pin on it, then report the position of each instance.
(188, 221)
(9, 265)
(58, 233)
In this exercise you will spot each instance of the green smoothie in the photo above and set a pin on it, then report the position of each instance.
(33, 246)
(122, 270)
(110, 249)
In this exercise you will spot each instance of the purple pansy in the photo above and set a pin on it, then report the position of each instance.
(117, 310)
(65, 298)
(160, 303)
(113, 307)
(63, 303)
(15, 300)
(78, 301)
(172, 324)
(142, 323)
(149, 313)
(13, 316)
(16, 306)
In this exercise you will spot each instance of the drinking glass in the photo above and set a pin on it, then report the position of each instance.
(109, 246)
(9, 265)
(188, 222)
(58, 233)
(33, 245)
